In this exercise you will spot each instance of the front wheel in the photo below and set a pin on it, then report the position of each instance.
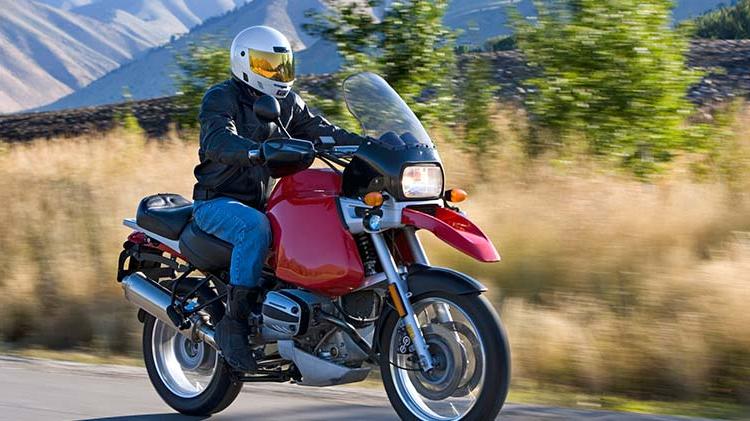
(470, 353)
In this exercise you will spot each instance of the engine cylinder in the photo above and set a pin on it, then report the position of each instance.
(287, 313)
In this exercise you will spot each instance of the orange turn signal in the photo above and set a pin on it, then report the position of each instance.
(456, 195)
(373, 198)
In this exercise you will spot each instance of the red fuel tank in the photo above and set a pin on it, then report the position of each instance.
(311, 246)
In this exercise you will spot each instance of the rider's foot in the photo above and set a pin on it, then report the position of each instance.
(232, 331)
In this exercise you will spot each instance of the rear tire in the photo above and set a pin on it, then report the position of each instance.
(220, 392)
(223, 388)
(496, 365)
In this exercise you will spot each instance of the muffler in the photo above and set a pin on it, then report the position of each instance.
(155, 299)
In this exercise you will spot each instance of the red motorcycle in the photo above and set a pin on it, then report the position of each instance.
(349, 285)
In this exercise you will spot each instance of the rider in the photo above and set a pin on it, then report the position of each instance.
(232, 184)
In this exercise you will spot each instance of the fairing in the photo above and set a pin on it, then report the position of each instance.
(454, 229)
(311, 246)
(381, 111)
(396, 139)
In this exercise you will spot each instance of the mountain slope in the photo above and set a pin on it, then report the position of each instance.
(688, 9)
(478, 19)
(159, 64)
(162, 18)
(481, 19)
(47, 52)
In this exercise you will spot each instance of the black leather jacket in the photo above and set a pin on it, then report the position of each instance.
(229, 129)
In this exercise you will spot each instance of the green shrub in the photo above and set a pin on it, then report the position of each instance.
(726, 22)
(479, 135)
(501, 43)
(201, 66)
(125, 116)
(612, 72)
(410, 47)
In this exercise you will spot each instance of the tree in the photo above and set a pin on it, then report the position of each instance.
(331, 106)
(201, 66)
(477, 88)
(410, 47)
(613, 72)
(726, 22)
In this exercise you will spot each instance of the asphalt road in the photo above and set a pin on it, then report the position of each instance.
(33, 389)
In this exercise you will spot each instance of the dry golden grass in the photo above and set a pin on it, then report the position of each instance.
(611, 284)
(61, 219)
(607, 284)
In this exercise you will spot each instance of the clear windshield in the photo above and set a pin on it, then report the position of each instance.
(381, 112)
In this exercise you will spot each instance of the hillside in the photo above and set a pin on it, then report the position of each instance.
(731, 22)
(159, 64)
(50, 48)
(477, 19)
(727, 63)
(688, 9)
(481, 19)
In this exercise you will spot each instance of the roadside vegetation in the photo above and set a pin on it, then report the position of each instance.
(613, 75)
(726, 22)
(622, 218)
(608, 286)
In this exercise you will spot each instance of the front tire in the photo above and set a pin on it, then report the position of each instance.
(472, 374)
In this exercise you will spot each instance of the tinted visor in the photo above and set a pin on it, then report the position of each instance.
(274, 66)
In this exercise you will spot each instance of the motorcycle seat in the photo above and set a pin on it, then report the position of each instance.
(165, 214)
(204, 250)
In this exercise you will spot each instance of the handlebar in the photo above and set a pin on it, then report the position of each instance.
(336, 154)
(343, 150)
(331, 154)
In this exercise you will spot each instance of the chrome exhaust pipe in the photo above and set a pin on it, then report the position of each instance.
(155, 299)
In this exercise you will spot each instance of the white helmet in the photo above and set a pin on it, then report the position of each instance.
(262, 58)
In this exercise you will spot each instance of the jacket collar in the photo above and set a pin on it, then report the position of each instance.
(248, 95)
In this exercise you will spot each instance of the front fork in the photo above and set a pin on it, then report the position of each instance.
(442, 311)
(399, 292)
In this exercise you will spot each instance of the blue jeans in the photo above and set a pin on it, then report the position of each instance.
(246, 228)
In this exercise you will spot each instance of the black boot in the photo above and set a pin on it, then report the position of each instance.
(232, 331)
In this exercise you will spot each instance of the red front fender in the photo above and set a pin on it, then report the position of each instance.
(454, 229)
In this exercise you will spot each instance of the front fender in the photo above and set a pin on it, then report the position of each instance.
(423, 279)
(456, 230)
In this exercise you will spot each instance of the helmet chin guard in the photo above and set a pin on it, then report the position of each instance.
(262, 58)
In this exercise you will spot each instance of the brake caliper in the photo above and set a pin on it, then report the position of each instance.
(405, 345)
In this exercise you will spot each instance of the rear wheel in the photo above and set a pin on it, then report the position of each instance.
(191, 377)
(471, 356)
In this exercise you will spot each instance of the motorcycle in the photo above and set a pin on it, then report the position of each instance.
(348, 284)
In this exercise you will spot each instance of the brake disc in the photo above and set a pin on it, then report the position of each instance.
(474, 366)
(449, 359)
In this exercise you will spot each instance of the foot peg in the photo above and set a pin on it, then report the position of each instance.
(180, 322)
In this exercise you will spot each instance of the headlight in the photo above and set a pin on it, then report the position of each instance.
(422, 181)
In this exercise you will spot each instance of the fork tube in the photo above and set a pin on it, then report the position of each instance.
(441, 309)
(415, 246)
(409, 318)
